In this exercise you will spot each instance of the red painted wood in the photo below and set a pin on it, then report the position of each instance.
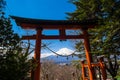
(88, 55)
(33, 37)
(37, 54)
(71, 27)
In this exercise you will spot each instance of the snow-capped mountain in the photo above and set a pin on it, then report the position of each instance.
(57, 58)
(60, 59)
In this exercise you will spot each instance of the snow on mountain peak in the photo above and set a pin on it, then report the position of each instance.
(65, 51)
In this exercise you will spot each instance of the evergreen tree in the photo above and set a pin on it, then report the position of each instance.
(14, 62)
(105, 38)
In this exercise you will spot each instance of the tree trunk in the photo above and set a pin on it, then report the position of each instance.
(112, 68)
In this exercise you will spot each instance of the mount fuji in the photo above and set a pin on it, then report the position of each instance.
(60, 59)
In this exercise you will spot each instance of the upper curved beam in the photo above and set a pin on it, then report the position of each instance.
(28, 23)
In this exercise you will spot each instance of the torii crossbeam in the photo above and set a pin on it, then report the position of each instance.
(62, 26)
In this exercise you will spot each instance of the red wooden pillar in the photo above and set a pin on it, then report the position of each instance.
(83, 70)
(37, 54)
(88, 55)
(102, 67)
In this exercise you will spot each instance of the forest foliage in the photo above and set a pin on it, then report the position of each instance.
(105, 39)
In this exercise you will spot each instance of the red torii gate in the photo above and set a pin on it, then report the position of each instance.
(62, 26)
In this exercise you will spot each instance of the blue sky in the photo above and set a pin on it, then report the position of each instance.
(41, 9)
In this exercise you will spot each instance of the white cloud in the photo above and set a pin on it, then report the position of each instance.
(46, 55)
(43, 55)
